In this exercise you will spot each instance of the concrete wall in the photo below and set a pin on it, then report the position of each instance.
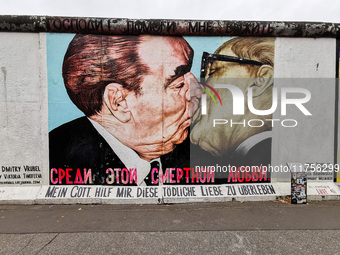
(33, 101)
(24, 119)
(307, 63)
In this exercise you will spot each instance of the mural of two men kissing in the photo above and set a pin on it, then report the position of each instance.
(136, 97)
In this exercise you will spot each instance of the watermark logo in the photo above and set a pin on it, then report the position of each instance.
(204, 97)
(239, 100)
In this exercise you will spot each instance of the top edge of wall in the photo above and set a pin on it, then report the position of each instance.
(122, 26)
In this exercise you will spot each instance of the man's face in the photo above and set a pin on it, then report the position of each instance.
(218, 140)
(161, 112)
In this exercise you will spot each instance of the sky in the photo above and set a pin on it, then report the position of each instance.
(256, 10)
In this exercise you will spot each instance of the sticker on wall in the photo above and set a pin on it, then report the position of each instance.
(298, 184)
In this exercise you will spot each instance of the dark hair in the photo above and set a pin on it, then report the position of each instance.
(94, 61)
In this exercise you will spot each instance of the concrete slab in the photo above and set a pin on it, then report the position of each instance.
(198, 242)
(161, 218)
(24, 243)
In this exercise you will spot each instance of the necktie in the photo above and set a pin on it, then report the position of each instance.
(148, 178)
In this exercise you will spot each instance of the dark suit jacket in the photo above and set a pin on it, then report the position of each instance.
(258, 154)
(77, 144)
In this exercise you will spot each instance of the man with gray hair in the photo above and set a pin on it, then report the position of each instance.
(246, 63)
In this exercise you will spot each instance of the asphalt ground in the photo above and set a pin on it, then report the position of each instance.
(198, 228)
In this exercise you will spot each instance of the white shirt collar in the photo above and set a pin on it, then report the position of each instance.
(127, 155)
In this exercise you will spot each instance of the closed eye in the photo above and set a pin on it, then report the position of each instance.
(179, 84)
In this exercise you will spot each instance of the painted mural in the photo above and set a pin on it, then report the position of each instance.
(120, 110)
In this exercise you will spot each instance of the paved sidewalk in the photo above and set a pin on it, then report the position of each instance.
(199, 228)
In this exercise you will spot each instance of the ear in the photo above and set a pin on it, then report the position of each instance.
(263, 81)
(115, 101)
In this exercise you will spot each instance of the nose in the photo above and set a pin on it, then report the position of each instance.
(193, 94)
(194, 86)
